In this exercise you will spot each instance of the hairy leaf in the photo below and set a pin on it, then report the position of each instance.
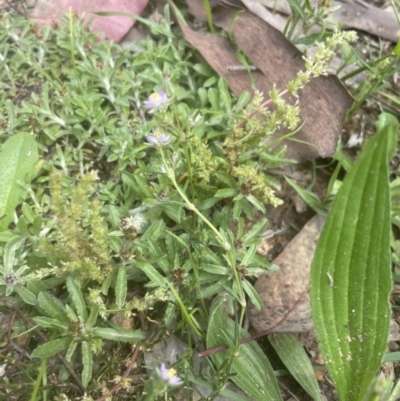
(51, 348)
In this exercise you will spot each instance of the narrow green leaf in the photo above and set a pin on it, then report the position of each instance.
(51, 348)
(350, 273)
(391, 357)
(255, 230)
(154, 231)
(92, 319)
(77, 298)
(25, 294)
(296, 361)
(28, 212)
(152, 273)
(226, 193)
(87, 360)
(297, 9)
(249, 256)
(71, 351)
(215, 269)
(17, 158)
(48, 322)
(229, 394)
(9, 253)
(309, 197)
(52, 306)
(254, 373)
(121, 287)
(6, 236)
(255, 202)
(119, 335)
(253, 295)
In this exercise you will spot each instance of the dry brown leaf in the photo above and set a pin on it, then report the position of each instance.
(284, 292)
(323, 102)
(350, 14)
(113, 27)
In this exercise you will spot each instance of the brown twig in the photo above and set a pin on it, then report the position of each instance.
(127, 371)
(131, 362)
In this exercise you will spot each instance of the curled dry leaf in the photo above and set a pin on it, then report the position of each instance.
(284, 292)
(323, 102)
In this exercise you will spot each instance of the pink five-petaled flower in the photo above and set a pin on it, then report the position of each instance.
(156, 99)
(160, 139)
(169, 375)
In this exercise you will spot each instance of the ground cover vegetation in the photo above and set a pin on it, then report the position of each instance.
(134, 188)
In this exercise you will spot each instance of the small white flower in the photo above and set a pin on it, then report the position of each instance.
(136, 222)
(158, 139)
(169, 375)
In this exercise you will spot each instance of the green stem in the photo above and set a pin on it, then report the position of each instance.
(225, 244)
(39, 379)
(184, 311)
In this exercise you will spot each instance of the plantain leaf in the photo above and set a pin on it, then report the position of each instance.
(350, 274)
(254, 374)
(17, 158)
(296, 361)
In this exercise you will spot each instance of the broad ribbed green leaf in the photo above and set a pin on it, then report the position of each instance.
(350, 274)
(17, 157)
(254, 374)
(296, 361)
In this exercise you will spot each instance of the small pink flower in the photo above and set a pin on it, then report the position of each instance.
(156, 99)
(169, 375)
(160, 139)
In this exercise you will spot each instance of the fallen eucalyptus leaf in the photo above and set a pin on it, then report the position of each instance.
(323, 102)
(284, 292)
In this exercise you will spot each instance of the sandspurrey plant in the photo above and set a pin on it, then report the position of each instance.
(132, 203)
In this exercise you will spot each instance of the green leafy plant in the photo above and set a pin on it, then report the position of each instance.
(136, 191)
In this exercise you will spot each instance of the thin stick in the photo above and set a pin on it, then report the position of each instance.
(128, 370)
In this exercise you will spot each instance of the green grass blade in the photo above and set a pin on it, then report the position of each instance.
(350, 274)
(296, 361)
(17, 158)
